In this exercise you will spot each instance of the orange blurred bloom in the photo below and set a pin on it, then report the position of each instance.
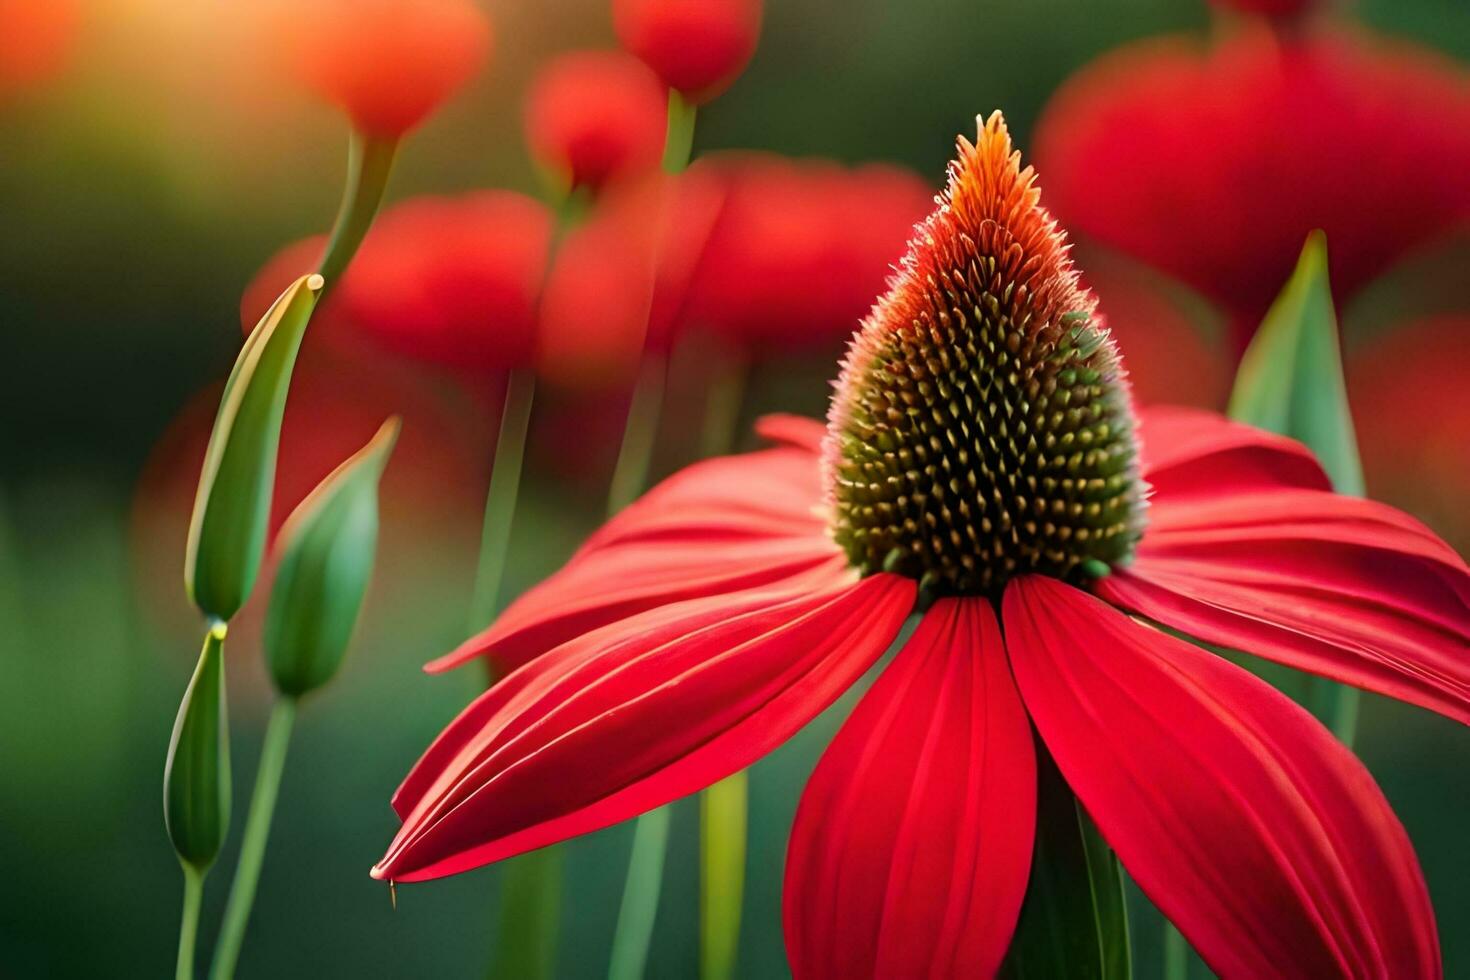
(698, 47)
(35, 38)
(387, 63)
(592, 116)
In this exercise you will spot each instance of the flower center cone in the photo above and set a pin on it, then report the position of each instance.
(982, 426)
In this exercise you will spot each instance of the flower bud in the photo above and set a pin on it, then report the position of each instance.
(196, 775)
(326, 559)
(228, 529)
(595, 115)
(697, 47)
(387, 63)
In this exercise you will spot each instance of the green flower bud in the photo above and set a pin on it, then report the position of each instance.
(326, 559)
(232, 507)
(196, 775)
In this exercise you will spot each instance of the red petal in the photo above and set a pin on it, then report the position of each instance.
(1187, 451)
(716, 527)
(1337, 586)
(792, 430)
(1240, 816)
(769, 492)
(632, 716)
(912, 843)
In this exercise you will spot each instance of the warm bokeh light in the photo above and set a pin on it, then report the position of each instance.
(36, 37)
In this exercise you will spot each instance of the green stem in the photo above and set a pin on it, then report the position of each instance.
(530, 916)
(722, 819)
(641, 891)
(369, 165)
(636, 452)
(1176, 953)
(189, 924)
(679, 137)
(1345, 714)
(257, 831)
(723, 807)
(500, 500)
(726, 395)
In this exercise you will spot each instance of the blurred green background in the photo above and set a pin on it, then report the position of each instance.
(139, 192)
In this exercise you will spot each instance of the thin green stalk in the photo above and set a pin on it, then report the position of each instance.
(530, 916)
(725, 397)
(189, 924)
(722, 819)
(1345, 714)
(651, 832)
(679, 137)
(723, 807)
(1176, 953)
(641, 891)
(257, 831)
(635, 455)
(500, 500)
(369, 165)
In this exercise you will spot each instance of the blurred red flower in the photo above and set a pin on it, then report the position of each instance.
(387, 63)
(800, 249)
(772, 255)
(618, 283)
(1213, 164)
(595, 115)
(1171, 358)
(1409, 387)
(35, 37)
(449, 280)
(698, 47)
(1271, 8)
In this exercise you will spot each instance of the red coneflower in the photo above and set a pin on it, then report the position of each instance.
(982, 458)
(1213, 164)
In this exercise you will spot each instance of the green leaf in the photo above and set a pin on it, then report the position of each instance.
(1074, 922)
(1290, 382)
(232, 507)
(1290, 379)
(196, 775)
(326, 559)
